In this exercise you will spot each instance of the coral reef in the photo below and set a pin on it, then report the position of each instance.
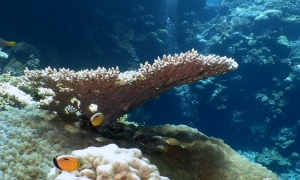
(31, 137)
(115, 93)
(259, 100)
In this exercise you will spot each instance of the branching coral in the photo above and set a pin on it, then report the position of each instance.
(12, 95)
(114, 93)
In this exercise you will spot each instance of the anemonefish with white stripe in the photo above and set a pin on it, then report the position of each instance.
(67, 162)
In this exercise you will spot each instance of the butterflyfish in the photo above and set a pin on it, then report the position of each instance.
(96, 120)
(6, 43)
(67, 162)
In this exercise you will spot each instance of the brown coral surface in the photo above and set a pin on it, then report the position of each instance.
(181, 152)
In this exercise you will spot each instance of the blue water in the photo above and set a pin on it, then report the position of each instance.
(248, 108)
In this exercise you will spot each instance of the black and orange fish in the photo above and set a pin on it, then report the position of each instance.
(67, 162)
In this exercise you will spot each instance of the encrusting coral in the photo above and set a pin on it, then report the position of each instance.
(195, 156)
(114, 93)
(182, 152)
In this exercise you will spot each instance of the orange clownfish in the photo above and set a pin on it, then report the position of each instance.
(67, 162)
(6, 43)
(96, 120)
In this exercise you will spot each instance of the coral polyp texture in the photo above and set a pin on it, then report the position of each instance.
(114, 93)
(12, 95)
(181, 152)
(110, 162)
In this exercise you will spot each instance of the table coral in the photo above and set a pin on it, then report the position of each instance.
(12, 95)
(115, 93)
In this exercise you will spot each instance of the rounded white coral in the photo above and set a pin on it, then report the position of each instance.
(111, 162)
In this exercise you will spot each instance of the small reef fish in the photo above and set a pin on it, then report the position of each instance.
(67, 162)
(86, 122)
(6, 43)
(200, 36)
(96, 120)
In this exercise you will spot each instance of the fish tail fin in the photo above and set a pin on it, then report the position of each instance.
(80, 161)
(11, 43)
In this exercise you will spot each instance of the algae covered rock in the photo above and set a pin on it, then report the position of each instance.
(282, 47)
(267, 19)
